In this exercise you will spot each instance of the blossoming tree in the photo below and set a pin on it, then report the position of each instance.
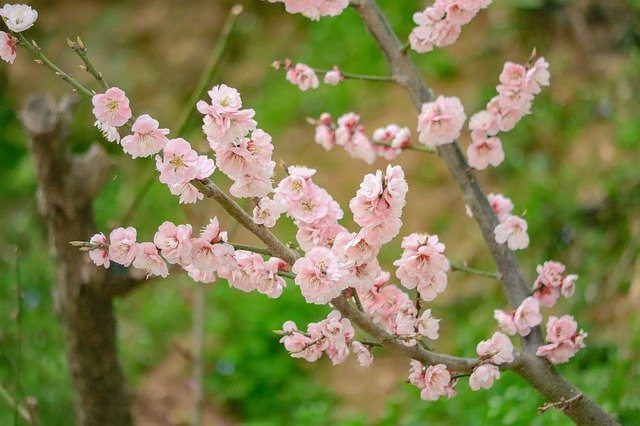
(332, 264)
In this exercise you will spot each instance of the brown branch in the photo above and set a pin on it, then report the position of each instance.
(537, 371)
(560, 405)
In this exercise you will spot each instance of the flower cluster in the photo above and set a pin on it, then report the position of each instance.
(564, 339)
(243, 152)
(440, 121)
(493, 352)
(389, 141)
(177, 162)
(518, 86)
(440, 24)
(378, 205)
(422, 265)
(551, 283)
(202, 256)
(314, 9)
(333, 336)
(522, 320)
(314, 211)
(512, 229)
(433, 381)
(305, 77)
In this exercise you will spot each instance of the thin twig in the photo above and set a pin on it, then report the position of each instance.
(365, 77)
(33, 46)
(561, 405)
(79, 48)
(464, 268)
(417, 148)
(251, 248)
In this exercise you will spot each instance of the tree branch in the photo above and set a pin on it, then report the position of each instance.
(537, 371)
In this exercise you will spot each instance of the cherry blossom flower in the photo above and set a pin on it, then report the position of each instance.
(483, 376)
(148, 260)
(422, 265)
(108, 131)
(440, 121)
(147, 138)
(112, 107)
(505, 321)
(484, 152)
(512, 231)
(268, 282)
(564, 341)
(325, 135)
(267, 212)
(389, 141)
(179, 163)
(210, 252)
(428, 325)
(527, 316)
(122, 247)
(432, 380)
(8, 47)
(333, 77)
(319, 275)
(100, 256)
(338, 333)
(303, 76)
(314, 9)
(365, 358)
(551, 283)
(298, 344)
(174, 242)
(498, 349)
(199, 276)
(501, 205)
(18, 17)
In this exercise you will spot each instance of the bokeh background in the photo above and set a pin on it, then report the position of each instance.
(572, 165)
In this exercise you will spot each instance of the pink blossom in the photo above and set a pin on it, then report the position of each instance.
(244, 276)
(303, 76)
(483, 376)
(298, 344)
(505, 321)
(433, 29)
(498, 349)
(148, 260)
(210, 252)
(428, 325)
(108, 131)
(353, 249)
(547, 296)
(333, 77)
(564, 339)
(405, 322)
(484, 123)
(513, 231)
(112, 107)
(225, 128)
(537, 75)
(179, 163)
(501, 205)
(267, 212)
(527, 316)
(422, 265)
(122, 248)
(223, 99)
(432, 380)
(391, 140)
(484, 152)
(568, 286)
(199, 276)
(8, 47)
(319, 275)
(174, 242)
(325, 135)
(100, 256)
(332, 7)
(147, 138)
(440, 121)
(269, 282)
(338, 333)
(18, 17)
(365, 358)
(360, 146)
(314, 9)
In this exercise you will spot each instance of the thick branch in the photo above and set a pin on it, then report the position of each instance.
(537, 371)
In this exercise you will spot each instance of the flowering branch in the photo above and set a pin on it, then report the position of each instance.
(464, 268)
(43, 60)
(352, 76)
(537, 371)
(79, 48)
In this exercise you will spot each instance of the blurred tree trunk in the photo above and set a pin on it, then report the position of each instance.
(83, 293)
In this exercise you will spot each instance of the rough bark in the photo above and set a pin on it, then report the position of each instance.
(67, 185)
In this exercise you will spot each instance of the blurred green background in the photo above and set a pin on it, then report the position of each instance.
(572, 165)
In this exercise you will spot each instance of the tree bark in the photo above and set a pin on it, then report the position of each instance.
(67, 185)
